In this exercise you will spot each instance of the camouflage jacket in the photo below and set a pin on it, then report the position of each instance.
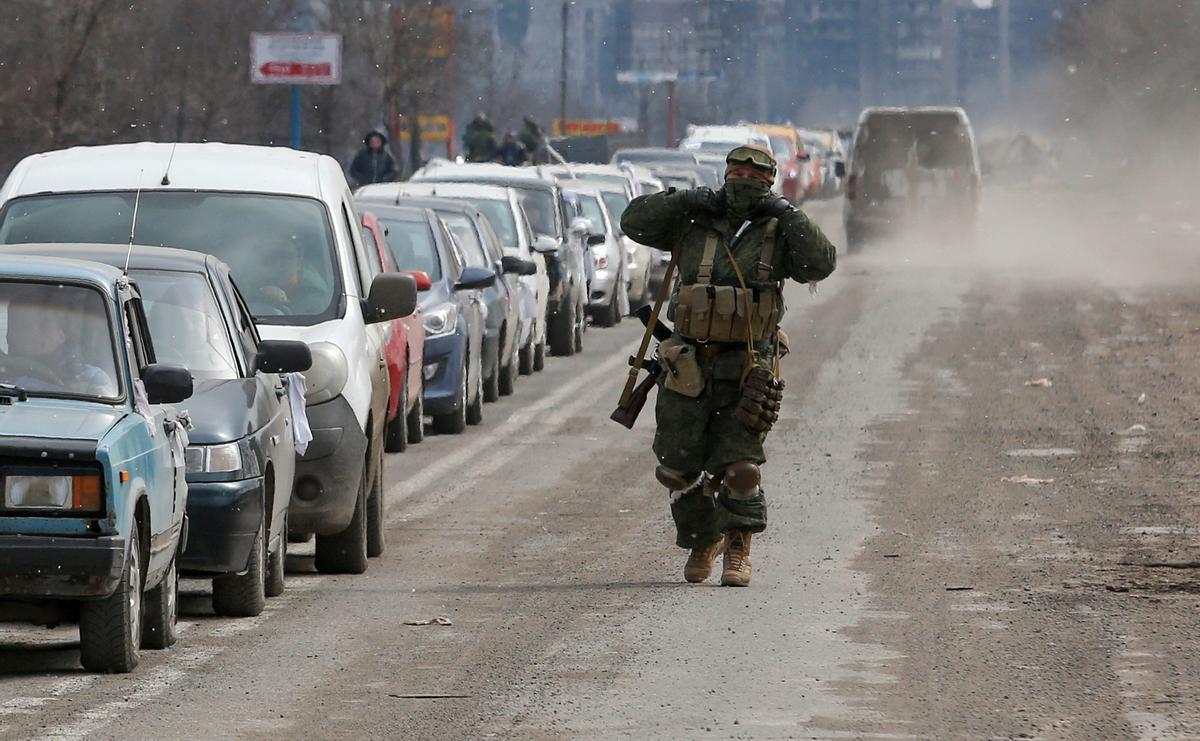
(661, 220)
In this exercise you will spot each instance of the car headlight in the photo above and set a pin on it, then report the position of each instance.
(238, 457)
(327, 376)
(80, 492)
(441, 321)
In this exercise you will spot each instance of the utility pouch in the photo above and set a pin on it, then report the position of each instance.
(683, 373)
(724, 310)
(768, 313)
(693, 311)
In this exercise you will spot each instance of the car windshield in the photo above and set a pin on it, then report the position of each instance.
(782, 147)
(653, 157)
(468, 239)
(186, 323)
(539, 208)
(500, 214)
(714, 146)
(57, 340)
(591, 210)
(281, 248)
(413, 247)
(615, 203)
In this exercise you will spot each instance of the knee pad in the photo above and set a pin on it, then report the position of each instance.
(675, 480)
(741, 479)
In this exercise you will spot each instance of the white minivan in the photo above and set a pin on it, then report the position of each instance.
(285, 222)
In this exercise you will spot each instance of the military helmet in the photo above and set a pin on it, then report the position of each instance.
(756, 155)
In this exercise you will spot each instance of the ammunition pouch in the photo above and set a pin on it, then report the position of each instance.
(762, 394)
(683, 374)
(726, 313)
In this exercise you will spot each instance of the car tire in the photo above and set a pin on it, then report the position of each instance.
(455, 422)
(525, 359)
(376, 538)
(110, 629)
(346, 552)
(539, 357)
(580, 328)
(491, 384)
(245, 594)
(475, 409)
(277, 566)
(607, 316)
(508, 373)
(562, 332)
(415, 422)
(395, 435)
(161, 610)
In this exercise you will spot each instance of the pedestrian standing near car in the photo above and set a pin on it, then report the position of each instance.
(720, 389)
(373, 163)
(534, 141)
(480, 139)
(511, 151)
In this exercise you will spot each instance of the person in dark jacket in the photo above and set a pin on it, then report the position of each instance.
(511, 152)
(480, 139)
(373, 164)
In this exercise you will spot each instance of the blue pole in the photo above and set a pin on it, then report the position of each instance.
(295, 116)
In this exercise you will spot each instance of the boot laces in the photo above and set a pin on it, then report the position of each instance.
(737, 552)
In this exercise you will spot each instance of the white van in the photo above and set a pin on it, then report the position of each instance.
(285, 222)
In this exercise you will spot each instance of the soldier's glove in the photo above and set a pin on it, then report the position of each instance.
(774, 205)
(762, 394)
(704, 200)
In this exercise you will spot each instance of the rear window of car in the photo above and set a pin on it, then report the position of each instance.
(927, 140)
(539, 209)
(500, 214)
(615, 203)
(413, 247)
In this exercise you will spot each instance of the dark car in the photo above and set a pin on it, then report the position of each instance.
(550, 215)
(504, 334)
(452, 309)
(241, 456)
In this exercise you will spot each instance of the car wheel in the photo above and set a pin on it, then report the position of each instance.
(508, 373)
(455, 422)
(346, 552)
(395, 435)
(245, 594)
(607, 316)
(580, 327)
(475, 408)
(161, 611)
(375, 535)
(539, 357)
(416, 419)
(110, 629)
(277, 565)
(562, 331)
(491, 384)
(525, 359)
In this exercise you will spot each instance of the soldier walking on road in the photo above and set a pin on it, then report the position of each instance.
(720, 388)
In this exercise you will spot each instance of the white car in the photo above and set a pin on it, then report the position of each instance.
(502, 207)
(608, 297)
(285, 222)
(721, 139)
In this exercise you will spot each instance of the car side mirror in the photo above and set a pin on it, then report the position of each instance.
(392, 295)
(517, 266)
(803, 157)
(424, 282)
(595, 239)
(166, 384)
(282, 356)
(473, 278)
(839, 169)
(545, 245)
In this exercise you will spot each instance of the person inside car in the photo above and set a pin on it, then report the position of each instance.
(38, 356)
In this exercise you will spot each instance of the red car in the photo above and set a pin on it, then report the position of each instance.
(405, 350)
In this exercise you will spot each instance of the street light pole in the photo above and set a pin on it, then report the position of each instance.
(562, 109)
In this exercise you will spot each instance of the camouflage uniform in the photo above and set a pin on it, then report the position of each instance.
(696, 435)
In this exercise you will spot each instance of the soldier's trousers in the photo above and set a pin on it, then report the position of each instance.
(701, 434)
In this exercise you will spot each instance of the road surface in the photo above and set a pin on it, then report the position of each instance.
(983, 524)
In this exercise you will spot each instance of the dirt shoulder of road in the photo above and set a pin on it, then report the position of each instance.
(1064, 604)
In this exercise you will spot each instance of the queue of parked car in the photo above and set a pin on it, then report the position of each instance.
(206, 351)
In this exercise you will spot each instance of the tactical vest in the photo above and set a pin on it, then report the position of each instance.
(727, 313)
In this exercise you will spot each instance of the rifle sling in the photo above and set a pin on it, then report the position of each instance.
(663, 291)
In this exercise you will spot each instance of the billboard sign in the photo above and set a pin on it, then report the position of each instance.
(296, 58)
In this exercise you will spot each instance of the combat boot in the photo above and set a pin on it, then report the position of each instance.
(737, 559)
(700, 561)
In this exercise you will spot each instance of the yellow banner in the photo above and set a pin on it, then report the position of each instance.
(433, 129)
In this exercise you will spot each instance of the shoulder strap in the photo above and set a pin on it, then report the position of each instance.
(766, 261)
(706, 262)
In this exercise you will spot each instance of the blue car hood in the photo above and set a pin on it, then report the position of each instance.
(54, 418)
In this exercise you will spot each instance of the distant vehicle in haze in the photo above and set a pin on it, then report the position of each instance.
(911, 167)
(791, 158)
(721, 139)
(649, 156)
(607, 298)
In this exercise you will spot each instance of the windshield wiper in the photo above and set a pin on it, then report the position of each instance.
(9, 391)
